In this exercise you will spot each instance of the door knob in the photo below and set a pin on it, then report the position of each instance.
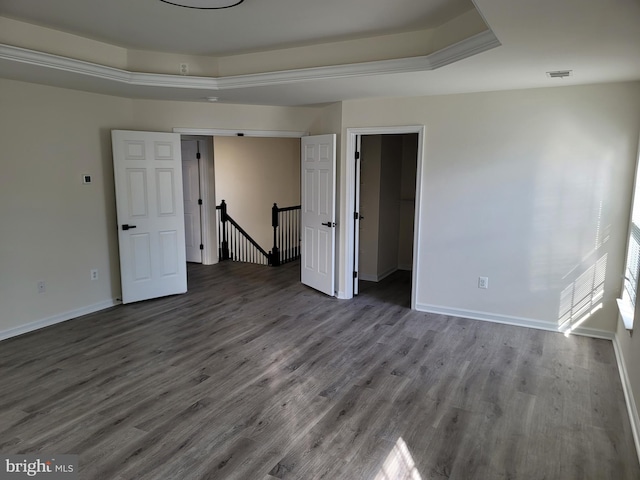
(127, 227)
(329, 224)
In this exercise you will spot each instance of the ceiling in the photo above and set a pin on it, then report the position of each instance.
(599, 40)
(251, 26)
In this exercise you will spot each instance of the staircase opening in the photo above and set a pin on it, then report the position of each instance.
(236, 244)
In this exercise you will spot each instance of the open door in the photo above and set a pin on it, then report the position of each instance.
(192, 200)
(357, 217)
(148, 181)
(318, 193)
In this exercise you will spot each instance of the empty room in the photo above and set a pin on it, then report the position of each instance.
(310, 240)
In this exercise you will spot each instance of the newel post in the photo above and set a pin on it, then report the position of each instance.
(225, 238)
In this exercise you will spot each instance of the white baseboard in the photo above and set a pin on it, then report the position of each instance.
(594, 333)
(367, 278)
(384, 275)
(488, 317)
(632, 410)
(61, 317)
(376, 278)
(510, 320)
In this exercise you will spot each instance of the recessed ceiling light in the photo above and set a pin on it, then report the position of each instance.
(204, 4)
(560, 74)
(211, 99)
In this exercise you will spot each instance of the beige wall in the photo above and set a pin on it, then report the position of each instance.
(371, 157)
(163, 116)
(57, 229)
(54, 228)
(387, 185)
(529, 188)
(407, 200)
(42, 39)
(389, 226)
(254, 173)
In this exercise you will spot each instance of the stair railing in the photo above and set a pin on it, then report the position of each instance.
(286, 234)
(235, 244)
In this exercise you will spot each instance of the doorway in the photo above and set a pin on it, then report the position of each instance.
(199, 199)
(388, 165)
(414, 136)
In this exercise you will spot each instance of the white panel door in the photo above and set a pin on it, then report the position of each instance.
(357, 217)
(318, 193)
(192, 200)
(148, 181)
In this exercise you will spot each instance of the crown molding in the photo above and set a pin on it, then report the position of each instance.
(224, 132)
(471, 46)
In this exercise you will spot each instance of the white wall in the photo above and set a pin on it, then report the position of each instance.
(628, 349)
(252, 174)
(407, 200)
(389, 226)
(54, 228)
(163, 116)
(529, 188)
(371, 157)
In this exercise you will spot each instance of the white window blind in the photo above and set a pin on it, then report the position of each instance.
(632, 266)
(632, 269)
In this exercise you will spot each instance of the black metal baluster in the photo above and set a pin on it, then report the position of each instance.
(288, 235)
(275, 251)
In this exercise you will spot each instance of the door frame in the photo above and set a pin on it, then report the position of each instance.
(209, 230)
(350, 175)
(207, 235)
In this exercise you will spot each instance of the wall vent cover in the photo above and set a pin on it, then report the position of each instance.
(560, 74)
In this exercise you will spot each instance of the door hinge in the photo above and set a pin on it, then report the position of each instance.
(357, 155)
(199, 201)
(198, 155)
(356, 215)
(355, 274)
(201, 247)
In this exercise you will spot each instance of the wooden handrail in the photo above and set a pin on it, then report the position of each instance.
(286, 237)
(231, 250)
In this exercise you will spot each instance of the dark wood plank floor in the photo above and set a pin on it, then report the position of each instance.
(253, 376)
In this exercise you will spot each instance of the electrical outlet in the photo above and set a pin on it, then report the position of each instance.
(483, 282)
(41, 286)
(184, 69)
(94, 274)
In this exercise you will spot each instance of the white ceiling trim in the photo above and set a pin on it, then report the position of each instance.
(222, 132)
(471, 46)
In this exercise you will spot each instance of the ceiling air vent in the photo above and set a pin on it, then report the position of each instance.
(560, 74)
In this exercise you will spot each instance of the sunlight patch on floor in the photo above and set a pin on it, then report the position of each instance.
(399, 464)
